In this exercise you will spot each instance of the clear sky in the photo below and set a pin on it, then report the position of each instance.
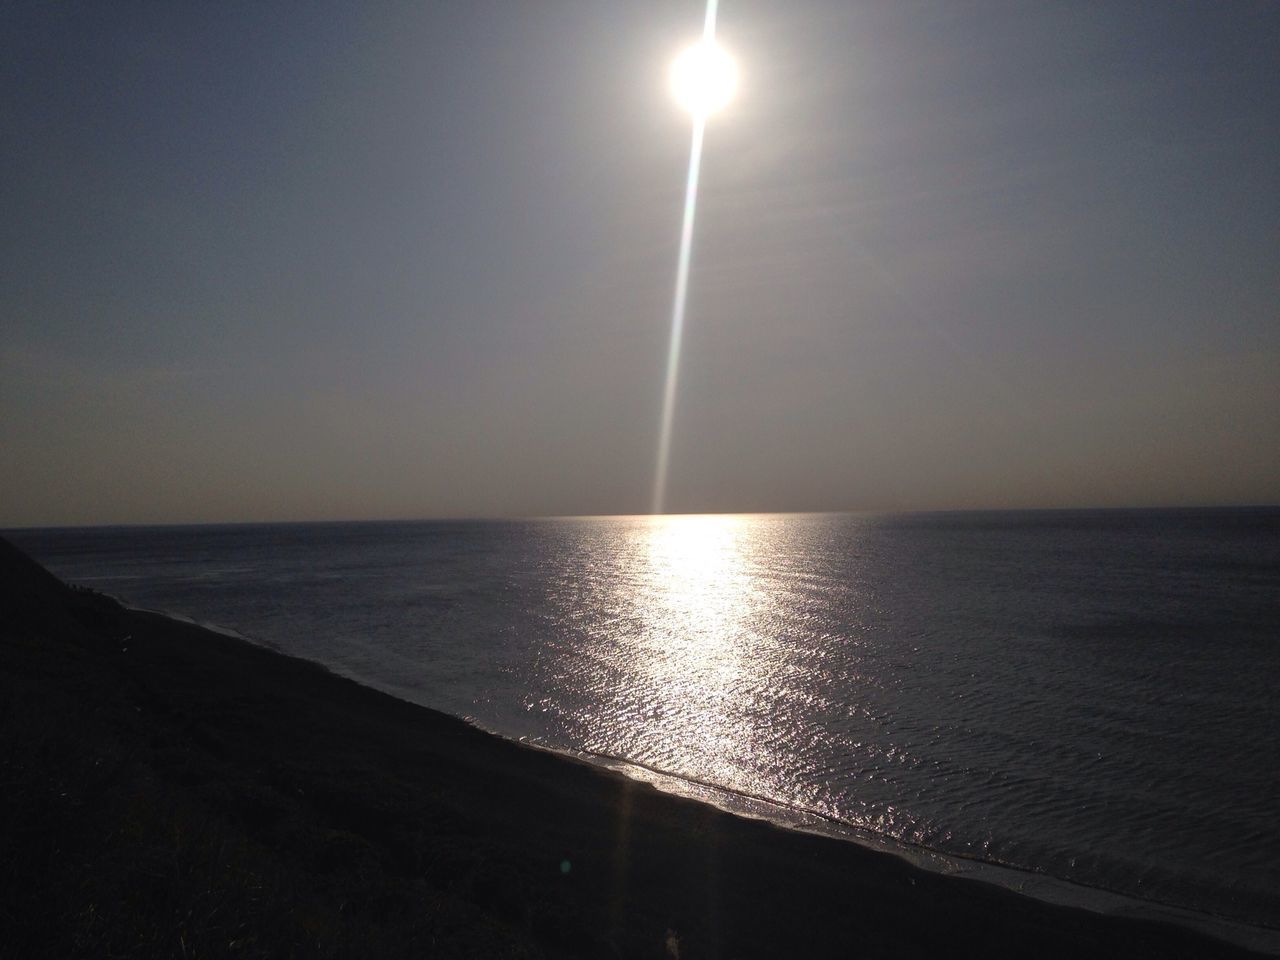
(357, 260)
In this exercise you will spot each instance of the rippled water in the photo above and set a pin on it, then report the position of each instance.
(1087, 695)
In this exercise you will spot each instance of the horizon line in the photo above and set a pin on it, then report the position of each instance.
(518, 518)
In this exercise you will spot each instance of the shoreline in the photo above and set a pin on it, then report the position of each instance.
(1044, 887)
(371, 806)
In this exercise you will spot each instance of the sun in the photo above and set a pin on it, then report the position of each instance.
(704, 78)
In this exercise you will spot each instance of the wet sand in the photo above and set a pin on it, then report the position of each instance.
(169, 791)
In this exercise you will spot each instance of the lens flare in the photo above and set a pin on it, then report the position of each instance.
(677, 314)
(703, 79)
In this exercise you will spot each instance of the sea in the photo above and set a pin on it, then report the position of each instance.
(1081, 700)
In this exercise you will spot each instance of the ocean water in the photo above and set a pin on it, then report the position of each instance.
(1090, 696)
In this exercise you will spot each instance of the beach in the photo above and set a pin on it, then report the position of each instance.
(172, 791)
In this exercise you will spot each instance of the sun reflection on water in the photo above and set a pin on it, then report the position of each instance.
(680, 644)
(697, 581)
(697, 606)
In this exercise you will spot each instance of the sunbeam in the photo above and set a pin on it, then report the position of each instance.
(677, 313)
(703, 79)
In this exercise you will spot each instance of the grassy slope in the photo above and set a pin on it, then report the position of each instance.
(166, 791)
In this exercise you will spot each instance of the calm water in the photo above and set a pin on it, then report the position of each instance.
(1086, 695)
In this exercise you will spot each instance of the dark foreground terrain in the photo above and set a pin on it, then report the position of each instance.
(166, 791)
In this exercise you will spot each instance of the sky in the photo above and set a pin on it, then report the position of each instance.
(267, 261)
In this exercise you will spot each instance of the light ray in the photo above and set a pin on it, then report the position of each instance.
(682, 285)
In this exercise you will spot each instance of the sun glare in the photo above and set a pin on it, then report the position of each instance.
(704, 78)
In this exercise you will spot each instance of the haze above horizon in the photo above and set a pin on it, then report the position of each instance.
(388, 260)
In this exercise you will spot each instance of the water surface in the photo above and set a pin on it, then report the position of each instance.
(1088, 695)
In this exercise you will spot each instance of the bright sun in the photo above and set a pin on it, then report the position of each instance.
(704, 78)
